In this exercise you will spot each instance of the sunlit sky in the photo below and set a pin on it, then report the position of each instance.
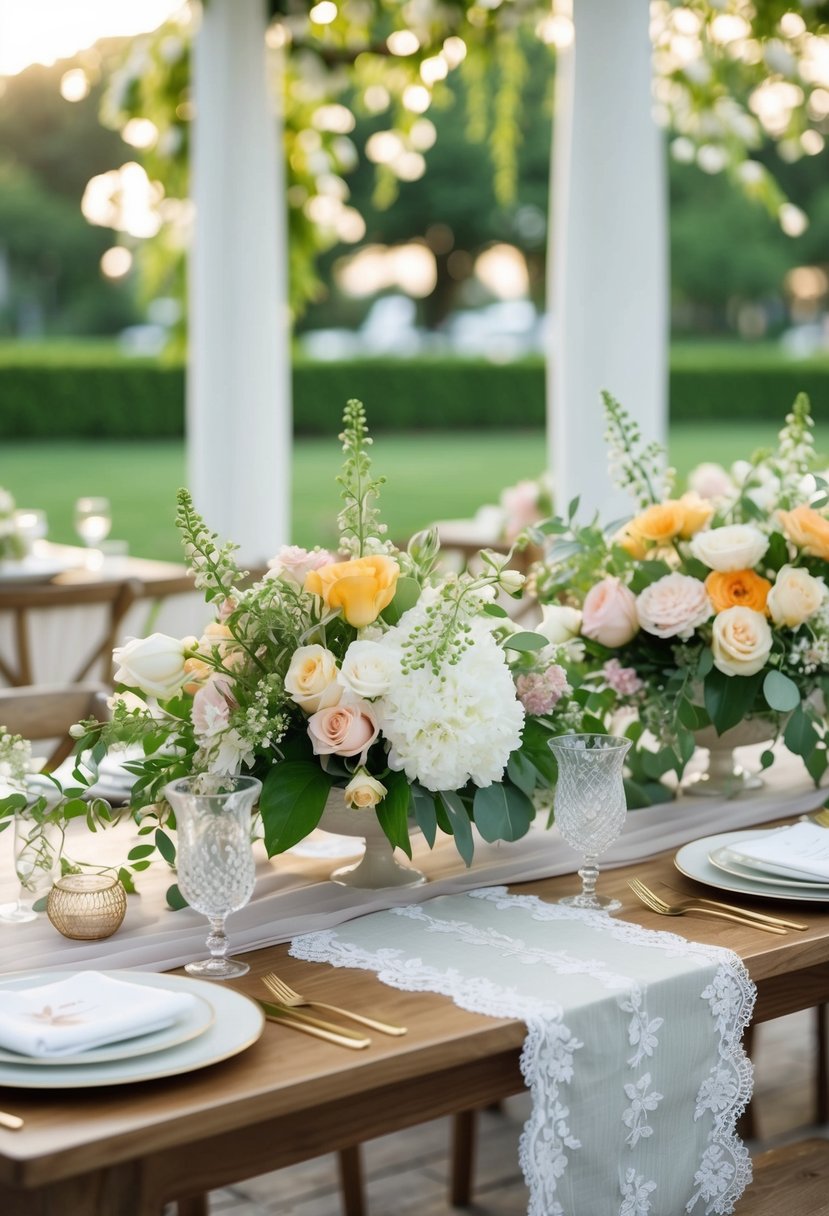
(43, 31)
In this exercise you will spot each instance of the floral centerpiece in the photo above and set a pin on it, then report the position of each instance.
(410, 695)
(11, 542)
(704, 609)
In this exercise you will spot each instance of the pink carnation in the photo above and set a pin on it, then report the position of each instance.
(540, 692)
(623, 680)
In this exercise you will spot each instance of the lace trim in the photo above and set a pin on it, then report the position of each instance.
(547, 1058)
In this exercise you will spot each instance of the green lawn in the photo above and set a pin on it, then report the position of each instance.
(429, 477)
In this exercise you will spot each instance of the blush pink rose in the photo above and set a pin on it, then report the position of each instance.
(609, 613)
(674, 606)
(343, 730)
(292, 563)
(211, 707)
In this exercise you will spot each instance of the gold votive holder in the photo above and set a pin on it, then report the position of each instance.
(87, 907)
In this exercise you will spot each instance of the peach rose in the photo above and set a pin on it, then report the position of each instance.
(609, 613)
(737, 588)
(631, 542)
(343, 730)
(364, 791)
(795, 596)
(696, 512)
(673, 606)
(741, 642)
(808, 529)
(360, 588)
(659, 523)
(311, 678)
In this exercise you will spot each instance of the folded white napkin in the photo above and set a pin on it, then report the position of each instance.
(800, 851)
(86, 1010)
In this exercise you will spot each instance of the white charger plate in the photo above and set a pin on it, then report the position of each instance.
(237, 1024)
(30, 570)
(731, 863)
(692, 860)
(190, 1025)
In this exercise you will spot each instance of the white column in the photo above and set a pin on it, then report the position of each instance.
(608, 263)
(238, 384)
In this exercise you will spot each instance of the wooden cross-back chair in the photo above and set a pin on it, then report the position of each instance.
(20, 602)
(40, 713)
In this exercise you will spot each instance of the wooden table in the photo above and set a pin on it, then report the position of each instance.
(289, 1098)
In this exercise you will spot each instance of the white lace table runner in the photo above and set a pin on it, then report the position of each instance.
(633, 1053)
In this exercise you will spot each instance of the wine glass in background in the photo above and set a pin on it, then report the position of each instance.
(589, 805)
(216, 871)
(31, 525)
(93, 520)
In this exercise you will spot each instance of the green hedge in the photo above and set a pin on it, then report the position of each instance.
(119, 398)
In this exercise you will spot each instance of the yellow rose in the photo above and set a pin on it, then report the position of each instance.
(807, 529)
(361, 588)
(364, 791)
(795, 596)
(737, 588)
(631, 542)
(696, 513)
(659, 523)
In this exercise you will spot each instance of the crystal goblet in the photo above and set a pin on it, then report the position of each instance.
(37, 847)
(590, 805)
(215, 864)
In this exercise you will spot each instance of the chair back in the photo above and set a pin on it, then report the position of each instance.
(41, 713)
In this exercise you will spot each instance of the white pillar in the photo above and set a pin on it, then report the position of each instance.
(608, 263)
(238, 383)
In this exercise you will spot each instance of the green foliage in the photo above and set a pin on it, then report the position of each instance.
(292, 801)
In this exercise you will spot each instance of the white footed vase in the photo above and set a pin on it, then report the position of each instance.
(378, 867)
(725, 777)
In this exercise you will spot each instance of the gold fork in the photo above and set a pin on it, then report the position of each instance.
(707, 907)
(289, 997)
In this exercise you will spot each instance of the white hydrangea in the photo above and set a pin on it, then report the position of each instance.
(459, 725)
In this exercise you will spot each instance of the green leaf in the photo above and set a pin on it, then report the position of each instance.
(502, 812)
(706, 663)
(125, 878)
(495, 610)
(406, 595)
(781, 693)
(291, 803)
(767, 759)
(690, 715)
(816, 763)
(522, 772)
(424, 812)
(800, 735)
(140, 851)
(459, 822)
(175, 899)
(165, 846)
(393, 811)
(729, 699)
(535, 745)
(525, 641)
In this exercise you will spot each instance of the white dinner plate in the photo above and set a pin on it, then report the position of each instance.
(237, 1024)
(725, 860)
(190, 1025)
(30, 570)
(692, 861)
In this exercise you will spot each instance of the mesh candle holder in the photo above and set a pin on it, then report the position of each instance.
(87, 907)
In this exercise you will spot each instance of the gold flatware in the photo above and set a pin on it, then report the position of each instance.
(283, 1017)
(334, 1027)
(821, 817)
(704, 907)
(292, 999)
(12, 1122)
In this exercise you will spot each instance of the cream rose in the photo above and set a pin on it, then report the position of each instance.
(364, 791)
(154, 664)
(673, 606)
(609, 614)
(343, 730)
(795, 596)
(741, 642)
(311, 679)
(368, 668)
(559, 623)
(734, 547)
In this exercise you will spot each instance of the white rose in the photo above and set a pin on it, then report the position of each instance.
(311, 679)
(795, 596)
(741, 641)
(559, 623)
(154, 664)
(368, 669)
(734, 547)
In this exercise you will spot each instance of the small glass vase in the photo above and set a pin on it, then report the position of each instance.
(37, 848)
(590, 806)
(215, 865)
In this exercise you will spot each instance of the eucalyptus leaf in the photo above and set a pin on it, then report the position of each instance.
(522, 772)
(502, 812)
(800, 735)
(781, 693)
(459, 822)
(393, 812)
(525, 641)
(424, 812)
(729, 699)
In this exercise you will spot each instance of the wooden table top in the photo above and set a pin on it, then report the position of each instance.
(290, 1097)
(158, 579)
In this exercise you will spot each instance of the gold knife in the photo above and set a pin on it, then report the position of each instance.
(12, 1122)
(313, 1026)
